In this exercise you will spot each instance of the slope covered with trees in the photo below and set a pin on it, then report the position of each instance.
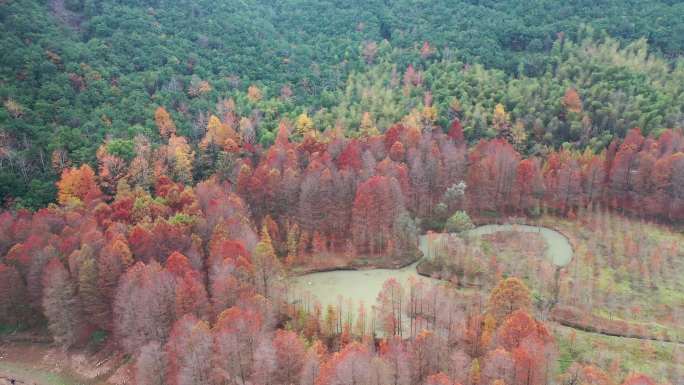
(166, 166)
(181, 275)
(77, 72)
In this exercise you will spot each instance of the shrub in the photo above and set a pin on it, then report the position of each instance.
(458, 222)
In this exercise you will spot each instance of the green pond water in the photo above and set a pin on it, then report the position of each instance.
(364, 285)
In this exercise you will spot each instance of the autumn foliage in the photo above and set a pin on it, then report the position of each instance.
(165, 124)
(78, 185)
(190, 278)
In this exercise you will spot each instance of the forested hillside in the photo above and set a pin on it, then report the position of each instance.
(78, 71)
(137, 259)
(244, 192)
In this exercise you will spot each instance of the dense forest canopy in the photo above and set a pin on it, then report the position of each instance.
(178, 177)
(138, 259)
(76, 72)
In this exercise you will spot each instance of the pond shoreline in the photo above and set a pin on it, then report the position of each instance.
(418, 259)
(351, 267)
(362, 283)
(421, 270)
(535, 223)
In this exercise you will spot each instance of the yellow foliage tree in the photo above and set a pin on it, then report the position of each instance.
(181, 156)
(501, 117)
(303, 124)
(475, 372)
(455, 106)
(220, 134)
(368, 126)
(429, 114)
(519, 135)
(488, 331)
(267, 268)
(15, 109)
(413, 119)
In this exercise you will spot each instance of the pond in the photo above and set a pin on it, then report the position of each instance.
(364, 285)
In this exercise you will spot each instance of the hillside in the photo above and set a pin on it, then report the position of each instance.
(307, 192)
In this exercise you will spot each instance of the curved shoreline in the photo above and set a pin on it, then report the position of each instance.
(363, 283)
(327, 280)
(419, 258)
(353, 267)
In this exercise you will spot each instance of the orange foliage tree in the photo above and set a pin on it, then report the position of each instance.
(509, 295)
(164, 123)
(78, 185)
(572, 101)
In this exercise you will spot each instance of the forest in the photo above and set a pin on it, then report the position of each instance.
(197, 192)
(181, 276)
(77, 72)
